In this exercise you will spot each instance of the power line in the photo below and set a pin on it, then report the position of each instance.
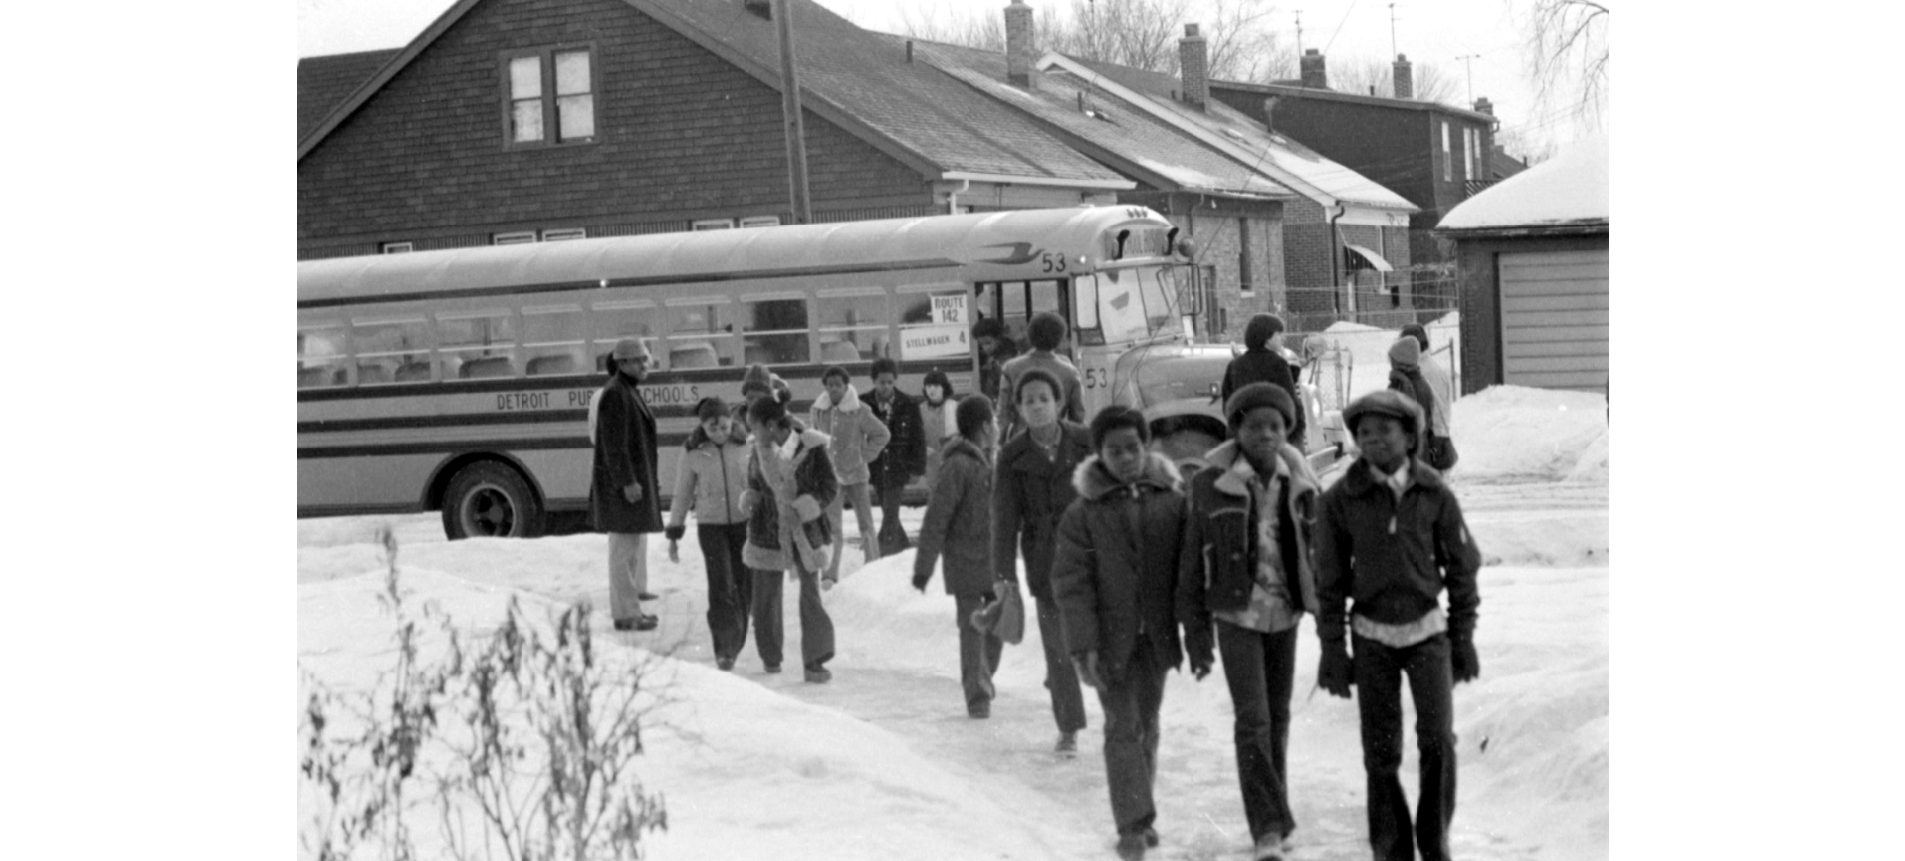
(1339, 27)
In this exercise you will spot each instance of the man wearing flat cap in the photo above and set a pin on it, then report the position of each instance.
(623, 500)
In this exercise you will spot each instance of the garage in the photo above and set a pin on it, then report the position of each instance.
(1554, 319)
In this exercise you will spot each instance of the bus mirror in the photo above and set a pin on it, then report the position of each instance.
(1085, 290)
(1186, 248)
(1122, 236)
(1170, 240)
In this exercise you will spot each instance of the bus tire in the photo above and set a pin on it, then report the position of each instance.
(487, 499)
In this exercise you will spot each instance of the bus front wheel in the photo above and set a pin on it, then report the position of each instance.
(490, 500)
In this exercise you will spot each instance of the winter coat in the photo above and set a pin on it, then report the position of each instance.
(938, 426)
(1115, 571)
(769, 545)
(1443, 390)
(1393, 559)
(1051, 363)
(1408, 380)
(1219, 567)
(991, 368)
(905, 453)
(713, 476)
(1029, 495)
(858, 436)
(1265, 366)
(957, 522)
(625, 454)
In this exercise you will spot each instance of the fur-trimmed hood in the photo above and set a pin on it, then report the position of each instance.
(1093, 480)
(849, 402)
(737, 435)
(1238, 471)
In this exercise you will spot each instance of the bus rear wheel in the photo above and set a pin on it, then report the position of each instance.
(487, 499)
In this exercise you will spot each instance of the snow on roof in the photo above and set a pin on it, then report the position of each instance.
(1570, 188)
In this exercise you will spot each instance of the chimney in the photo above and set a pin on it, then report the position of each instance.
(1405, 82)
(763, 9)
(1018, 44)
(1193, 58)
(1482, 106)
(1314, 75)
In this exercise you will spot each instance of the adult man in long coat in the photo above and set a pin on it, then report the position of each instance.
(623, 500)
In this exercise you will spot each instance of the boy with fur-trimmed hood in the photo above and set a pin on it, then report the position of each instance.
(1244, 582)
(790, 480)
(1389, 539)
(1114, 578)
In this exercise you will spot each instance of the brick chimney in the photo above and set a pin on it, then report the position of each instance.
(763, 9)
(1018, 44)
(1405, 77)
(1314, 75)
(1193, 58)
(1482, 106)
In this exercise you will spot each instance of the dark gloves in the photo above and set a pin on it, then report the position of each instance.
(922, 574)
(1335, 673)
(1201, 646)
(1463, 660)
(675, 533)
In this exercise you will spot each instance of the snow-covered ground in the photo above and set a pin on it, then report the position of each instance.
(883, 763)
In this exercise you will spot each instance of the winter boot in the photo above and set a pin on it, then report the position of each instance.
(1270, 848)
(1067, 744)
(1131, 847)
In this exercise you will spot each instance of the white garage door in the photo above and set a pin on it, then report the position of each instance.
(1554, 320)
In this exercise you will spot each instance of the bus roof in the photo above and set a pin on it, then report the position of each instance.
(1005, 238)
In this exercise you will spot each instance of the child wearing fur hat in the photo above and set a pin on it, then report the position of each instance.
(1115, 581)
(1244, 581)
(1389, 539)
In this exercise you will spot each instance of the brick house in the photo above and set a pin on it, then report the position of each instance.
(1344, 236)
(1434, 155)
(526, 120)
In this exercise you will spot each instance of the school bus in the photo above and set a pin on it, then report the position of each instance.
(460, 380)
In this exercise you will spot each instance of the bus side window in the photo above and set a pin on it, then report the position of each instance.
(699, 335)
(321, 360)
(385, 347)
(774, 331)
(553, 340)
(852, 328)
(477, 346)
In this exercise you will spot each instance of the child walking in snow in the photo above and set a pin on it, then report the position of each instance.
(1115, 581)
(1389, 539)
(712, 476)
(790, 480)
(957, 526)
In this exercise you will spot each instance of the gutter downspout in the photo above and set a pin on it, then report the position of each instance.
(952, 197)
(1337, 211)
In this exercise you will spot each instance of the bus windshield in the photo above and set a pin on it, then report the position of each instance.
(1136, 303)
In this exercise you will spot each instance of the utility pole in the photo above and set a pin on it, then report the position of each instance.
(794, 128)
(1468, 62)
(1299, 32)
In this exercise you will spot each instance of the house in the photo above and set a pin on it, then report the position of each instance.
(528, 120)
(1532, 255)
(1344, 236)
(1434, 155)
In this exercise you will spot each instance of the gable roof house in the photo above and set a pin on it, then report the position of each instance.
(524, 120)
(1432, 154)
(1345, 237)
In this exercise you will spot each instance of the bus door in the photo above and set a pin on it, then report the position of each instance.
(1014, 302)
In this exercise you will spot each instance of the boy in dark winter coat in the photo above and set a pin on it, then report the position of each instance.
(712, 476)
(790, 480)
(1390, 537)
(1244, 582)
(1046, 332)
(1030, 492)
(1262, 362)
(904, 455)
(959, 526)
(1115, 580)
(1405, 376)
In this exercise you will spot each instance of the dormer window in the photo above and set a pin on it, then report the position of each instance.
(549, 96)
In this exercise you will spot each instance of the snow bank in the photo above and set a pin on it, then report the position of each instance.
(1514, 433)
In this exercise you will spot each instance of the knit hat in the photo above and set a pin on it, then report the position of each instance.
(629, 348)
(757, 380)
(1114, 417)
(1415, 330)
(1257, 395)
(1405, 352)
(1385, 402)
(1260, 329)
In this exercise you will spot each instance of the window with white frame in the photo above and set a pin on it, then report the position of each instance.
(761, 221)
(477, 345)
(553, 340)
(551, 96)
(1448, 157)
(851, 325)
(774, 330)
(612, 321)
(714, 224)
(700, 333)
(565, 233)
(513, 238)
(1468, 153)
(396, 247)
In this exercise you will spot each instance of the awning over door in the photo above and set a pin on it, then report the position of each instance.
(1364, 258)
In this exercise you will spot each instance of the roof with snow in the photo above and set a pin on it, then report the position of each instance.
(1568, 191)
(850, 77)
(1134, 141)
(1275, 155)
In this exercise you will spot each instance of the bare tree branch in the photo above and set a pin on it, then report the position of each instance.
(1568, 56)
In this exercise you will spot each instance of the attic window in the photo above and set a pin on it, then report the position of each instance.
(550, 96)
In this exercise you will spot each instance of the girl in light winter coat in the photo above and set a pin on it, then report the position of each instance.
(856, 437)
(938, 420)
(713, 477)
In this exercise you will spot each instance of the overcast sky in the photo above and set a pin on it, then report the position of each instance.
(1433, 31)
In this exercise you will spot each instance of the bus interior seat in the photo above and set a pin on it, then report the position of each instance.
(372, 374)
(756, 354)
(488, 366)
(686, 356)
(839, 351)
(561, 363)
(310, 378)
(413, 372)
